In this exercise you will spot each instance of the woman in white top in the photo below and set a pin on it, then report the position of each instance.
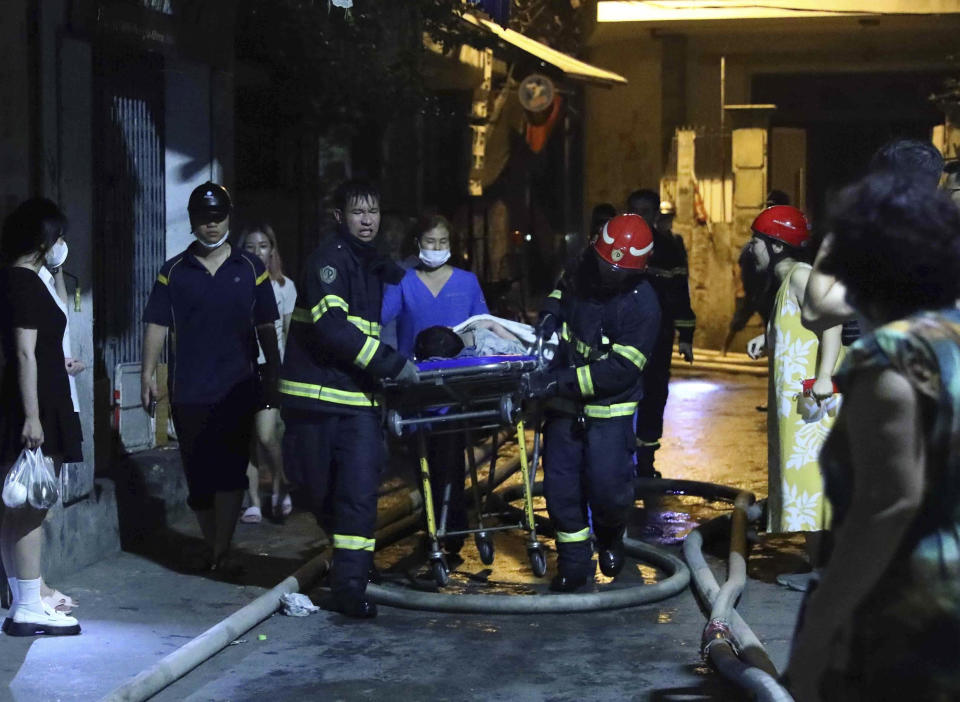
(260, 240)
(51, 273)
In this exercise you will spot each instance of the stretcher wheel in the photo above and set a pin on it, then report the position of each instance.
(509, 412)
(441, 574)
(484, 548)
(393, 423)
(538, 561)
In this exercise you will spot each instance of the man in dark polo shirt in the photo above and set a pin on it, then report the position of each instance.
(218, 301)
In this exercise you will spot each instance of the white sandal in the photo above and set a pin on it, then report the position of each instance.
(60, 602)
(252, 515)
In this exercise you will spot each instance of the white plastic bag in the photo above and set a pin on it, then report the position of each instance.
(15, 485)
(296, 604)
(812, 411)
(42, 489)
(31, 481)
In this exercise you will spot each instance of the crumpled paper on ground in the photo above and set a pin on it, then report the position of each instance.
(296, 604)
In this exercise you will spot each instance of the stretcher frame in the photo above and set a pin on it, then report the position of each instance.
(466, 396)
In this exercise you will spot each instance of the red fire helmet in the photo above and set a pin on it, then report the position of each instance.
(785, 224)
(625, 242)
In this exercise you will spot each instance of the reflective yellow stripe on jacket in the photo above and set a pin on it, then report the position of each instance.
(581, 348)
(585, 381)
(326, 303)
(325, 394)
(632, 354)
(366, 326)
(367, 352)
(330, 302)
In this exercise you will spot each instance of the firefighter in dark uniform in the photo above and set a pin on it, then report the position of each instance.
(667, 271)
(334, 446)
(608, 316)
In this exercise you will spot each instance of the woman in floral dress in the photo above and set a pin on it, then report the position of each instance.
(884, 621)
(795, 495)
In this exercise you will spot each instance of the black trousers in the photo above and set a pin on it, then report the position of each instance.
(656, 383)
(587, 466)
(338, 460)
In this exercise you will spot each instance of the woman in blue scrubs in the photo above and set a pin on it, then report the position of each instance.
(434, 293)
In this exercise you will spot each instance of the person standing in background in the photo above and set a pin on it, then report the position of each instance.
(667, 272)
(218, 301)
(51, 273)
(796, 500)
(36, 410)
(261, 241)
(433, 294)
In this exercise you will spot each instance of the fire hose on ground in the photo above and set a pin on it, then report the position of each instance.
(728, 642)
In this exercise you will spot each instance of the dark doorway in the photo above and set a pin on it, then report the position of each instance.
(847, 116)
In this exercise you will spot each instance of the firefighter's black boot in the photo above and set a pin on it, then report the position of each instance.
(610, 546)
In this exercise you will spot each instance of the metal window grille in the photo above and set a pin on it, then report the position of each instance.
(130, 202)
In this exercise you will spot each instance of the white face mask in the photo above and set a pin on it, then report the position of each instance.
(434, 258)
(56, 255)
(215, 245)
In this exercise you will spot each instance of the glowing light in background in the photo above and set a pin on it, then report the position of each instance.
(692, 10)
(692, 389)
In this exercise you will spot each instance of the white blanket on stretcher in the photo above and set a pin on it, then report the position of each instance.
(524, 332)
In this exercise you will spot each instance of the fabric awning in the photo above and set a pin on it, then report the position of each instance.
(573, 68)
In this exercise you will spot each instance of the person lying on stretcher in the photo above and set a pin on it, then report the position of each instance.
(481, 335)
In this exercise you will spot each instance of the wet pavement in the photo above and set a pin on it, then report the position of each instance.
(136, 608)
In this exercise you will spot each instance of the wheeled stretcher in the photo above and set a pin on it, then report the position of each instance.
(468, 395)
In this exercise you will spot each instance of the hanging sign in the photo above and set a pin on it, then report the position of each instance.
(536, 93)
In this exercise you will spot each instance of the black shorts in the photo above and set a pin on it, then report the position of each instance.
(215, 443)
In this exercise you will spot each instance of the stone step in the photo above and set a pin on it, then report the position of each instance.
(82, 532)
(152, 493)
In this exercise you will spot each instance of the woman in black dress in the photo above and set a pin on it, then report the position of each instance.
(35, 406)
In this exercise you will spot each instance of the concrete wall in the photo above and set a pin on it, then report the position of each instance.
(674, 79)
(14, 106)
(623, 139)
(47, 123)
(189, 152)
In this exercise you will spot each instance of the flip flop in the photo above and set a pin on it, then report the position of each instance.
(252, 515)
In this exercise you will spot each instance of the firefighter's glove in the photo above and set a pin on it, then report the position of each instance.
(547, 326)
(408, 375)
(539, 384)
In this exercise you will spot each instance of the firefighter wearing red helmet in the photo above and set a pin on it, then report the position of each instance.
(784, 224)
(607, 315)
(780, 234)
(669, 276)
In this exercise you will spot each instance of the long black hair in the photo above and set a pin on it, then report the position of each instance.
(33, 227)
(896, 244)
